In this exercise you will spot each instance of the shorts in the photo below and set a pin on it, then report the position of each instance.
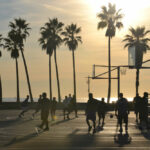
(101, 114)
(91, 116)
(123, 117)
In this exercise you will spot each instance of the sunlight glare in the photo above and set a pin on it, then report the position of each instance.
(132, 9)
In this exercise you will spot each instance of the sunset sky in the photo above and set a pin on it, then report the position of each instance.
(93, 50)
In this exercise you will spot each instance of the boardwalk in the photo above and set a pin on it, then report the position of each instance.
(19, 134)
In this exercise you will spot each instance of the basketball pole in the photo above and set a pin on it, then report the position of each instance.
(88, 84)
(118, 73)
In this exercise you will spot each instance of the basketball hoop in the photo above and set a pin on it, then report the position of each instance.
(123, 70)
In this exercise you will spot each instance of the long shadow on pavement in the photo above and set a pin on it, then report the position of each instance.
(12, 122)
(80, 140)
(122, 139)
(31, 135)
(144, 132)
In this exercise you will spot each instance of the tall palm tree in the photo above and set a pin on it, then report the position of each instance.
(71, 40)
(110, 18)
(46, 43)
(22, 28)
(56, 28)
(11, 45)
(138, 39)
(1, 45)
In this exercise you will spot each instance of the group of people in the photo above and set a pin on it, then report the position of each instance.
(44, 105)
(121, 111)
(93, 106)
(141, 109)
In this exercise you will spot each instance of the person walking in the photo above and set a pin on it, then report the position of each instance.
(53, 108)
(136, 102)
(73, 106)
(122, 111)
(66, 108)
(101, 109)
(90, 111)
(38, 106)
(144, 110)
(25, 106)
(45, 108)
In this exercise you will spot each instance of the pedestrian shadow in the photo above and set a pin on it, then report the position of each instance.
(52, 123)
(11, 122)
(80, 140)
(122, 139)
(20, 139)
(145, 132)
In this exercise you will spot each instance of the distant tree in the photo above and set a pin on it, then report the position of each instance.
(72, 40)
(11, 45)
(47, 44)
(22, 28)
(138, 38)
(110, 18)
(1, 45)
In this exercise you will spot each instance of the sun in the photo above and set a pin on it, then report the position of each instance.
(133, 10)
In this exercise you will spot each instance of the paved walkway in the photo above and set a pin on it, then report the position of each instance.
(19, 134)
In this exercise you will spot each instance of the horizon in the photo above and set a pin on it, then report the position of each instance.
(80, 100)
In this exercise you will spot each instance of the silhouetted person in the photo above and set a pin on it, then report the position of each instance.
(69, 97)
(53, 108)
(122, 111)
(73, 106)
(136, 102)
(25, 106)
(101, 109)
(91, 109)
(144, 110)
(66, 109)
(38, 106)
(45, 107)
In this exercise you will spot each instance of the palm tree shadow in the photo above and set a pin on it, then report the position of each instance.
(122, 139)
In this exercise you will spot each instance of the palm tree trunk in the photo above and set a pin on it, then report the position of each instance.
(50, 78)
(57, 76)
(137, 80)
(74, 74)
(109, 71)
(17, 79)
(1, 91)
(28, 81)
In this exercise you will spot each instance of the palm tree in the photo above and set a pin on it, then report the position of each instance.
(56, 28)
(46, 43)
(22, 28)
(71, 40)
(110, 19)
(138, 39)
(1, 45)
(11, 45)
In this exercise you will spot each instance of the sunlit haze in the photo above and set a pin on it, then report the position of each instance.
(93, 50)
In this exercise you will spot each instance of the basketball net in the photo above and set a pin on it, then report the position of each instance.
(123, 70)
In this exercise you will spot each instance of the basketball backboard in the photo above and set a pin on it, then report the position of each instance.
(131, 56)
